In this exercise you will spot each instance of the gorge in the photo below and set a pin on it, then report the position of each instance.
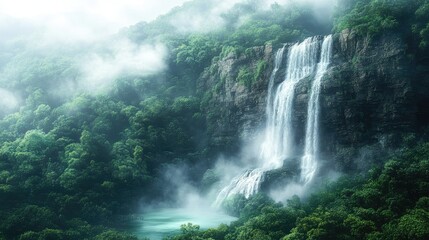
(216, 120)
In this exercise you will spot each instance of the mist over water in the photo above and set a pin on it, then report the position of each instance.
(94, 60)
(161, 222)
(308, 58)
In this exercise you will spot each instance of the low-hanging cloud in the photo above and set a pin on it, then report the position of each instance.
(8, 100)
(203, 16)
(48, 24)
(206, 16)
(76, 20)
(124, 58)
(73, 29)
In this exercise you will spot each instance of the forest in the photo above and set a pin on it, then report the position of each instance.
(77, 157)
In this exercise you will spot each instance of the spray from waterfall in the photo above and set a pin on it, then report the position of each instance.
(279, 145)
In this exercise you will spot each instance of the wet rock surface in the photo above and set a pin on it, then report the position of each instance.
(374, 94)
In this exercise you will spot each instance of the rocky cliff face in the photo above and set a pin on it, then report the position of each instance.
(374, 94)
(235, 89)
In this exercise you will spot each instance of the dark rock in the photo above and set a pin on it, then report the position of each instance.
(234, 111)
(374, 93)
(281, 176)
(368, 95)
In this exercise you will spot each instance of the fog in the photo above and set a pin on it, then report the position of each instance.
(210, 15)
(125, 59)
(46, 24)
(69, 21)
(81, 32)
(204, 17)
(71, 47)
(8, 101)
(72, 20)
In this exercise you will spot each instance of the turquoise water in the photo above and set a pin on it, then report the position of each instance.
(158, 223)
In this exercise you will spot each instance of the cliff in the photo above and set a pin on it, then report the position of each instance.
(373, 95)
(235, 90)
(373, 98)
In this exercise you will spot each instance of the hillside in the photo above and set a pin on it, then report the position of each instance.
(94, 132)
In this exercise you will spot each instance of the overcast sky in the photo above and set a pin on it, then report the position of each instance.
(86, 19)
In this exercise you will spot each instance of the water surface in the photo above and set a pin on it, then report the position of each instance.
(158, 223)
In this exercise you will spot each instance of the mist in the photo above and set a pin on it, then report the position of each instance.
(103, 58)
(80, 34)
(79, 20)
(124, 58)
(210, 15)
(76, 47)
(48, 26)
(213, 119)
(8, 101)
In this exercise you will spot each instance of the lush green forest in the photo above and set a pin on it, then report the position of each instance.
(390, 202)
(368, 17)
(72, 165)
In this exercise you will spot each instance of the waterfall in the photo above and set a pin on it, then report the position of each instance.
(248, 183)
(277, 64)
(309, 160)
(278, 145)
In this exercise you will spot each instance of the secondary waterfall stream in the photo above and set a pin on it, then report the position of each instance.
(309, 160)
(304, 59)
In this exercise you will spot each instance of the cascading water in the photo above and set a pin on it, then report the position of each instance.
(309, 160)
(277, 64)
(248, 183)
(279, 143)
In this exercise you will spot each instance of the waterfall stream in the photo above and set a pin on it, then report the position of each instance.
(309, 160)
(279, 144)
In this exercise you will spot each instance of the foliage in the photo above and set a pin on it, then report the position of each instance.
(369, 17)
(245, 77)
(112, 235)
(389, 203)
(86, 159)
(197, 51)
(374, 17)
(70, 164)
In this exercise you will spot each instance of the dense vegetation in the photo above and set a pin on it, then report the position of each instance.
(374, 17)
(388, 203)
(71, 165)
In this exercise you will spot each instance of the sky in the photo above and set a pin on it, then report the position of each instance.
(91, 20)
(86, 19)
